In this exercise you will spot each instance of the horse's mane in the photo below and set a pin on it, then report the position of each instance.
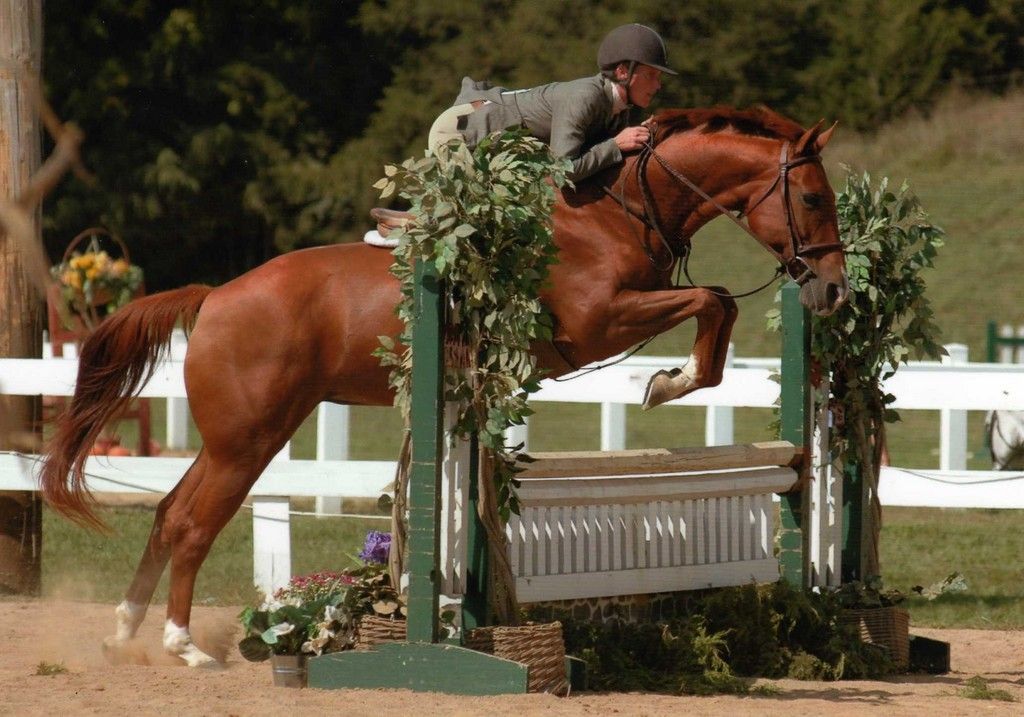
(756, 121)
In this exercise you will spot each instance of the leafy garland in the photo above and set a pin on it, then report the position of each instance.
(483, 219)
(889, 242)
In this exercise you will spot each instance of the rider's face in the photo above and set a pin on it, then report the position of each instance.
(644, 84)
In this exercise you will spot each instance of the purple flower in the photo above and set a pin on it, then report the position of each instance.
(377, 547)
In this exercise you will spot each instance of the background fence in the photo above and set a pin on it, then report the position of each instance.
(951, 387)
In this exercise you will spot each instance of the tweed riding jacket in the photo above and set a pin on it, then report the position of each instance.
(576, 119)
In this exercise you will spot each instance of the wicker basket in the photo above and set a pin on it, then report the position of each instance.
(373, 630)
(885, 626)
(539, 646)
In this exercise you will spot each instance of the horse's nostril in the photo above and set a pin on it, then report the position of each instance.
(835, 294)
(831, 295)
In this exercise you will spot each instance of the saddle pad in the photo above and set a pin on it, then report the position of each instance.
(374, 238)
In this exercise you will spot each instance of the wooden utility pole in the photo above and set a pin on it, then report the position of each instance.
(21, 45)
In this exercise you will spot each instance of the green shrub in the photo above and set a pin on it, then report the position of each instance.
(723, 638)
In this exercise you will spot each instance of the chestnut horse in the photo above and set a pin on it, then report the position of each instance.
(267, 347)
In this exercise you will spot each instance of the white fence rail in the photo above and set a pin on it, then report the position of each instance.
(952, 387)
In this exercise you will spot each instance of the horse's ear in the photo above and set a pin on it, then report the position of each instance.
(822, 139)
(807, 139)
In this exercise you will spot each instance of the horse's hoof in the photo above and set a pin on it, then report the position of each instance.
(195, 657)
(118, 652)
(663, 386)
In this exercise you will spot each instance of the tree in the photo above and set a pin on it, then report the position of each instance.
(210, 125)
(20, 315)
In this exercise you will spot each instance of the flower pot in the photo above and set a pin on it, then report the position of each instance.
(288, 670)
(539, 646)
(375, 630)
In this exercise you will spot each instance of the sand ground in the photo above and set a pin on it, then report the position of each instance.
(151, 683)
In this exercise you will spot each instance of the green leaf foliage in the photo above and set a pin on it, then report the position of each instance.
(482, 218)
(889, 243)
(719, 638)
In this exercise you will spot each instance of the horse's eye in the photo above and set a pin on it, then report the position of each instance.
(811, 200)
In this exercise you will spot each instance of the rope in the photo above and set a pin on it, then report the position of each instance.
(946, 481)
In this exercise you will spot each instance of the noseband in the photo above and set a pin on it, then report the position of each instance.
(796, 266)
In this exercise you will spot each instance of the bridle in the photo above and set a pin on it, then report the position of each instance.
(796, 266)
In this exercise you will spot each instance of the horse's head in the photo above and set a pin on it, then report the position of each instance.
(793, 214)
(768, 168)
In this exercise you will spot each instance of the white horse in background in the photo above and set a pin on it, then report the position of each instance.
(1005, 431)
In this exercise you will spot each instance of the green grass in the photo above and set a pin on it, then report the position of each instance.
(921, 546)
(85, 565)
(49, 669)
(977, 688)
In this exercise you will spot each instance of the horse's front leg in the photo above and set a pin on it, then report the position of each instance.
(637, 315)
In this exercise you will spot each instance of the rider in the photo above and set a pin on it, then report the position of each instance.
(586, 120)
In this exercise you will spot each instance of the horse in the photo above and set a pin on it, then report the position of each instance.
(1005, 430)
(265, 348)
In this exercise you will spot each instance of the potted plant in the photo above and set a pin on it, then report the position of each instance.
(304, 618)
(379, 610)
(876, 612)
(325, 612)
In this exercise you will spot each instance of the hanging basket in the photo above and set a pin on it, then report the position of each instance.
(538, 646)
(888, 627)
(92, 280)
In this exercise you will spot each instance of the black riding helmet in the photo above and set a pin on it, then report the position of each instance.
(633, 43)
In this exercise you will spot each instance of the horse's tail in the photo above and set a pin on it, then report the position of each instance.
(114, 363)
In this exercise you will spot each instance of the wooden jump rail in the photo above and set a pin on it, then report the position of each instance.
(592, 524)
(658, 460)
(604, 524)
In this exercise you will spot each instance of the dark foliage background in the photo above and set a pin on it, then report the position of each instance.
(223, 132)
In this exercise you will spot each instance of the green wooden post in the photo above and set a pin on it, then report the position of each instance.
(797, 410)
(992, 339)
(427, 424)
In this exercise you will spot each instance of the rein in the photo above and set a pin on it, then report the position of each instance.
(796, 267)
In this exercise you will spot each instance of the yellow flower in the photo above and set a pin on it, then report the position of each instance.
(102, 261)
(72, 278)
(119, 268)
(92, 272)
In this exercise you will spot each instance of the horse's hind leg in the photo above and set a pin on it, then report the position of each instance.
(192, 524)
(132, 610)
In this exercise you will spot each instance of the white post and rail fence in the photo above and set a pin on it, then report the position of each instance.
(952, 387)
